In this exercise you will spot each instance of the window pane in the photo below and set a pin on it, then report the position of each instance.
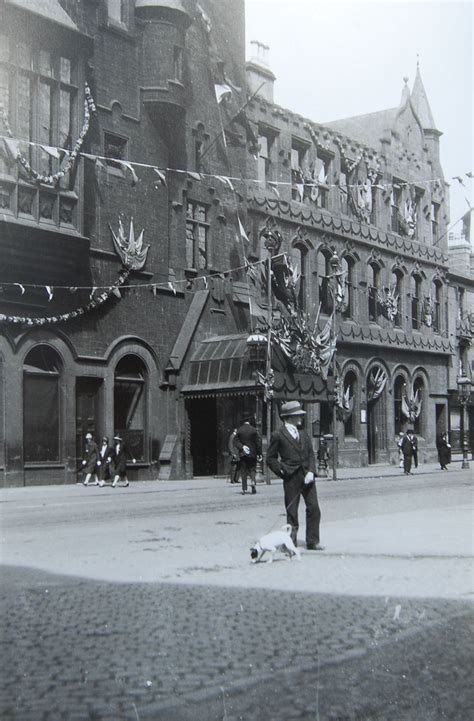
(202, 249)
(201, 213)
(24, 56)
(65, 117)
(45, 63)
(65, 70)
(189, 245)
(41, 418)
(24, 108)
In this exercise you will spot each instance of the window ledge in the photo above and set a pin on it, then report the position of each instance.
(42, 465)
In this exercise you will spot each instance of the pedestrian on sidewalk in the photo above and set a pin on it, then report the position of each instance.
(399, 446)
(234, 458)
(249, 445)
(291, 457)
(444, 450)
(410, 451)
(120, 455)
(105, 455)
(90, 460)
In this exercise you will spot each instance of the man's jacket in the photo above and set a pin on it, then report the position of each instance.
(286, 455)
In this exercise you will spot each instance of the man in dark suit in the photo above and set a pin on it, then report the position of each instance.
(249, 444)
(410, 451)
(291, 457)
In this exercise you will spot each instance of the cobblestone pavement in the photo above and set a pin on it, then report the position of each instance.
(80, 650)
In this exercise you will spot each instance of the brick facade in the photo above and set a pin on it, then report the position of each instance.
(152, 67)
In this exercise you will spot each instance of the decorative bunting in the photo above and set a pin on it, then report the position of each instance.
(222, 91)
(243, 234)
(50, 291)
(161, 176)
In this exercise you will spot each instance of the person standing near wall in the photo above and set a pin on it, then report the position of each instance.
(410, 451)
(90, 460)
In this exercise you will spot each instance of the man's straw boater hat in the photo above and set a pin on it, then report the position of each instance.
(292, 408)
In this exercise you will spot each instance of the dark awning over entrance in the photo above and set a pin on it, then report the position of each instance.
(221, 366)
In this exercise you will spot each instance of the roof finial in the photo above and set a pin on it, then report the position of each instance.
(418, 61)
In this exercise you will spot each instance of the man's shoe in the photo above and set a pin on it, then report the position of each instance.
(85, 483)
(126, 484)
(314, 547)
(254, 490)
(101, 484)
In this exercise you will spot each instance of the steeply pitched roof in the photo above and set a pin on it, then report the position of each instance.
(365, 128)
(49, 9)
(420, 103)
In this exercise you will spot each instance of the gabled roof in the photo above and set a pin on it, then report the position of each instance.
(365, 128)
(49, 9)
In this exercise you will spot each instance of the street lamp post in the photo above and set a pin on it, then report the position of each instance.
(335, 271)
(464, 393)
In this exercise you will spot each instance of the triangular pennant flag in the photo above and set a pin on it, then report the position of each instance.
(205, 281)
(153, 289)
(92, 292)
(222, 91)
(161, 176)
(171, 287)
(21, 287)
(243, 234)
(50, 150)
(274, 188)
(194, 176)
(225, 180)
(12, 147)
(116, 292)
(131, 169)
(50, 291)
(73, 289)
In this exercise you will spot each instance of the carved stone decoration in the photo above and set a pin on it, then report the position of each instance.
(130, 250)
(427, 312)
(388, 300)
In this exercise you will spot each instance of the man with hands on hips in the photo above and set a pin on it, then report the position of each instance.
(291, 457)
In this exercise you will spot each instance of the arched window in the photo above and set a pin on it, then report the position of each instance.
(324, 272)
(437, 295)
(419, 387)
(130, 403)
(397, 281)
(299, 259)
(41, 405)
(374, 287)
(415, 302)
(398, 389)
(347, 265)
(350, 390)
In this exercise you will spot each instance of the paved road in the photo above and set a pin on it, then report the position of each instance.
(140, 603)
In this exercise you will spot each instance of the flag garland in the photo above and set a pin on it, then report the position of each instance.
(13, 145)
(77, 313)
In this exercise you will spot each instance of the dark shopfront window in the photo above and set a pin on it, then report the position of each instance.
(41, 403)
(129, 404)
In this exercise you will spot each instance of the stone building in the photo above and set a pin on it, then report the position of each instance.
(141, 165)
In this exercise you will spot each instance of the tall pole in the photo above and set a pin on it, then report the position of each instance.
(269, 356)
(334, 405)
(335, 266)
(464, 392)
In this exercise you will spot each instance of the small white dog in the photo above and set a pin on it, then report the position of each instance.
(273, 542)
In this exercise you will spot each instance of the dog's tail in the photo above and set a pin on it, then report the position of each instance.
(286, 528)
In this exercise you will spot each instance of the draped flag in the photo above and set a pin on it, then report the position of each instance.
(222, 91)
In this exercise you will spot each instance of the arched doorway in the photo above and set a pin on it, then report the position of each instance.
(376, 414)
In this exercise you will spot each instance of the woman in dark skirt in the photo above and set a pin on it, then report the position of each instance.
(444, 450)
(91, 458)
(120, 456)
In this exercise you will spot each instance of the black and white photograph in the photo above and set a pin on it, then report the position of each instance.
(236, 360)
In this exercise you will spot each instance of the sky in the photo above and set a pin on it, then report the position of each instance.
(335, 59)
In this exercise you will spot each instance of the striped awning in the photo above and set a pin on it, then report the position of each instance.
(220, 366)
